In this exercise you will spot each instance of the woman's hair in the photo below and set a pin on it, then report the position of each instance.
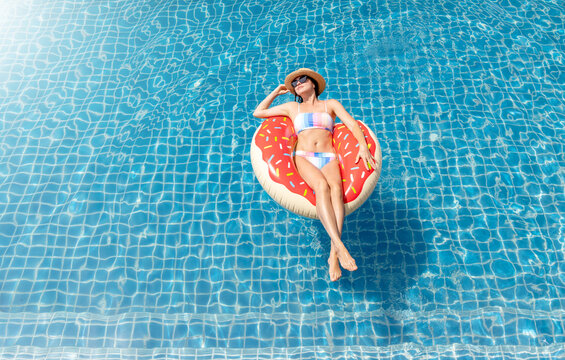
(299, 99)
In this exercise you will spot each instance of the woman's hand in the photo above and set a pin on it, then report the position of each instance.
(368, 159)
(280, 90)
(263, 110)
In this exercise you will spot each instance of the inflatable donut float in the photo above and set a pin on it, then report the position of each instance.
(273, 165)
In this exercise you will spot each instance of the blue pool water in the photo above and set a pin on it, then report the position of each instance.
(131, 224)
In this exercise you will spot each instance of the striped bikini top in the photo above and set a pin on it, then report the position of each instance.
(318, 120)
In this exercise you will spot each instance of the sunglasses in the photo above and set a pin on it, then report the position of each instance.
(302, 79)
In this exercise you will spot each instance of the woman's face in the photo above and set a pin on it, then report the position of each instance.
(303, 87)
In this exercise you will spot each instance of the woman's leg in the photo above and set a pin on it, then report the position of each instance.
(333, 175)
(317, 180)
(336, 195)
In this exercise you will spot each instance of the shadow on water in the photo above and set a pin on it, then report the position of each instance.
(387, 240)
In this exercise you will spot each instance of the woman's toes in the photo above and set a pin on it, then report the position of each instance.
(346, 261)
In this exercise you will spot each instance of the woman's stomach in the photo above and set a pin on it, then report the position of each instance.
(315, 140)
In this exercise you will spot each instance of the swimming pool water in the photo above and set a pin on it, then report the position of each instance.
(131, 225)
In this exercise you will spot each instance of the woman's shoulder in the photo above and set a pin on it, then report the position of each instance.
(290, 104)
(333, 104)
(290, 108)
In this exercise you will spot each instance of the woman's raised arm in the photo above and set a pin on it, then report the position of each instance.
(263, 111)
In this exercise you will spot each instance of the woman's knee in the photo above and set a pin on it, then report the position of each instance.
(322, 187)
(336, 189)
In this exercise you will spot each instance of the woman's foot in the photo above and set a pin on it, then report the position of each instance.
(345, 259)
(335, 270)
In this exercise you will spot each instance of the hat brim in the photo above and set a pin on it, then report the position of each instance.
(308, 72)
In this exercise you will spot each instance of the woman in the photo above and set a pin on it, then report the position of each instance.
(315, 156)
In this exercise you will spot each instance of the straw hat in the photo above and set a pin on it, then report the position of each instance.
(308, 72)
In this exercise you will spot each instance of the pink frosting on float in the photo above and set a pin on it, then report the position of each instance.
(275, 137)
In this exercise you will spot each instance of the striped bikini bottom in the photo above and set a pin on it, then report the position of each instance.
(318, 159)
